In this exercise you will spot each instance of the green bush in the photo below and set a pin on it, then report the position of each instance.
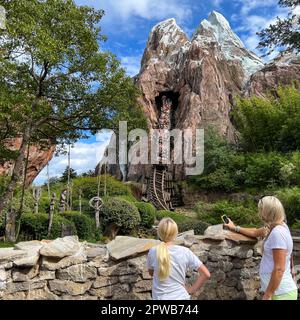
(177, 217)
(263, 169)
(147, 212)
(295, 160)
(269, 124)
(296, 224)
(117, 213)
(290, 199)
(198, 226)
(89, 187)
(239, 213)
(35, 226)
(85, 226)
(129, 198)
(85, 207)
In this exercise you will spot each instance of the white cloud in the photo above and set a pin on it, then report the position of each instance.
(146, 9)
(84, 157)
(131, 64)
(296, 10)
(217, 3)
(250, 5)
(252, 22)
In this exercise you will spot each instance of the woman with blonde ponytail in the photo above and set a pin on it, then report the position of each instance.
(276, 265)
(168, 263)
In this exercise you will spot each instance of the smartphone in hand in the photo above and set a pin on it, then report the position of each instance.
(225, 219)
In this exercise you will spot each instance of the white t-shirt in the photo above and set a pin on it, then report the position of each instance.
(279, 238)
(172, 288)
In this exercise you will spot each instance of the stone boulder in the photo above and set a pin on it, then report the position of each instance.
(124, 247)
(61, 247)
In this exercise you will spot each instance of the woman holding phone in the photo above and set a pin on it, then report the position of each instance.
(275, 271)
(168, 263)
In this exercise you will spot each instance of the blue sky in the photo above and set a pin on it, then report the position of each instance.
(127, 24)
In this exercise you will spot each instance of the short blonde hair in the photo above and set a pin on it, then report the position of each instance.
(271, 211)
(167, 231)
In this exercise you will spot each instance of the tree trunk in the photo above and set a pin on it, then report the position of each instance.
(17, 171)
(111, 230)
(10, 226)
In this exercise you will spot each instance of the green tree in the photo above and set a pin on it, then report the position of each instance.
(55, 82)
(284, 33)
(65, 174)
(269, 124)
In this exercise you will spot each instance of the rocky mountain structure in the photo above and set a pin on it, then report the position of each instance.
(38, 159)
(199, 75)
(283, 70)
(199, 78)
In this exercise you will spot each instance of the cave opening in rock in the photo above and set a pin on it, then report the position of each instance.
(173, 98)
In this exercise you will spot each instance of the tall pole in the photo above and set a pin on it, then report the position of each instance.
(69, 167)
(48, 181)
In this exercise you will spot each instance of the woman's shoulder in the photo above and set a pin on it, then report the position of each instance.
(281, 230)
(181, 249)
(152, 250)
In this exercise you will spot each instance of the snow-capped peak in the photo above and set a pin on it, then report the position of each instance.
(220, 29)
(168, 33)
(217, 29)
(165, 24)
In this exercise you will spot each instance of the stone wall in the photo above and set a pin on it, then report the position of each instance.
(67, 269)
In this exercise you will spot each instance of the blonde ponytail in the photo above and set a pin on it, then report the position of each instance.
(164, 262)
(167, 231)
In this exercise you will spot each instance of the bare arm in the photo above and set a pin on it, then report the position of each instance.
(250, 232)
(279, 256)
(204, 275)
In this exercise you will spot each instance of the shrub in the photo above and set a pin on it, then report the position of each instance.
(271, 123)
(237, 212)
(35, 226)
(295, 160)
(263, 169)
(296, 224)
(85, 207)
(290, 199)
(129, 198)
(117, 213)
(198, 226)
(89, 187)
(177, 217)
(85, 226)
(147, 212)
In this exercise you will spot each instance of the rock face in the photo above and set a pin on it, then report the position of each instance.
(280, 71)
(202, 73)
(200, 76)
(38, 158)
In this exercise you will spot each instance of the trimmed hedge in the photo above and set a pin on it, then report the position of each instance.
(147, 212)
(35, 226)
(120, 213)
(85, 226)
